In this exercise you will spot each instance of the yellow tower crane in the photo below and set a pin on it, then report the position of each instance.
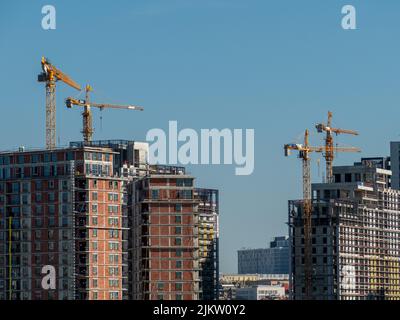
(50, 76)
(329, 149)
(304, 154)
(87, 130)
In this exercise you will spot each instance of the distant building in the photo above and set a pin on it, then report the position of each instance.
(272, 260)
(231, 283)
(261, 292)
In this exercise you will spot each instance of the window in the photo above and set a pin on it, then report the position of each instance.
(160, 286)
(178, 241)
(114, 295)
(65, 185)
(94, 257)
(65, 221)
(113, 283)
(178, 286)
(25, 199)
(94, 208)
(113, 221)
(178, 296)
(94, 283)
(94, 245)
(52, 222)
(52, 209)
(95, 295)
(184, 182)
(178, 275)
(155, 194)
(94, 271)
(38, 222)
(113, 209)
(178, 230)
(178, 264)
(178, 219)
(113, 258)
(25, 187)
(113, 245)
(65, 197)
(113, 233)
(94, 221)
(178, 252)
(94, 196)
(113, 271)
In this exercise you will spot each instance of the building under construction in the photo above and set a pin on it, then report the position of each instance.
(164, 231)
(208, 211)
(355, 238)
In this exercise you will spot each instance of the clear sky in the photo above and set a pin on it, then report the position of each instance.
(274, 66)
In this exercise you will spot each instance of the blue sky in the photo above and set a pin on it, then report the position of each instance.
(275, 66)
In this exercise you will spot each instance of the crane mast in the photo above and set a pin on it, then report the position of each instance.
(304, 154)
(50, 75)
(87, 129)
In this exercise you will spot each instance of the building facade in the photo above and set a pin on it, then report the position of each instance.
(61, 208)
(164, 231)
(355, 237)
(272, 260)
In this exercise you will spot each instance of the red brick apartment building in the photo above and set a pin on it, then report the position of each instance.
(62, 208)
(165, 232)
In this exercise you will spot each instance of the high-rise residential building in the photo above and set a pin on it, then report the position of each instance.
(71, 208)
(272, 260)
(62, 208)
(164, 229)
(355, 237)
(208, 211)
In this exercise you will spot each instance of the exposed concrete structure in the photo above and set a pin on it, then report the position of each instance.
(208, 210)
(355, 236)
